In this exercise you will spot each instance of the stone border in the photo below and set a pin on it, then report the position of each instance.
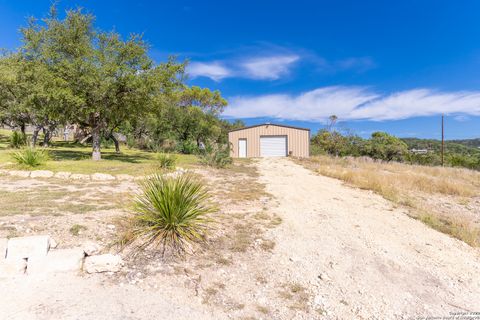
(64, 175)
(34, 255)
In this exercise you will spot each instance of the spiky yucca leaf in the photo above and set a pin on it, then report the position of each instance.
(167, 161)
(30, 157)
(171, 212)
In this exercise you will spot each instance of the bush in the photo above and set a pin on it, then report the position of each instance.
(167, 161)
(170, 212)
(217, 156)
(30, 157)
(18, 139)
(188, 147)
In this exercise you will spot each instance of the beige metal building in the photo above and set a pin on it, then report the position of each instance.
(269, 140)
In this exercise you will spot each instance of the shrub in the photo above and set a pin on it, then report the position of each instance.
(188, 147)
(167, 161)
(76, 229)
(170, 212)
(18, 139)
(31, 157)
(217, 156)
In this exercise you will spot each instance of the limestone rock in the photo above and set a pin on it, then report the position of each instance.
(12, 267)
(90, 248)
(102, 177)
(53, 243)
(60, 260)
(79, 176)
(19, 173)
(125, 177)
(27, 247)
(103, 263)
(41, 174)
(3, 248)
(63, 175)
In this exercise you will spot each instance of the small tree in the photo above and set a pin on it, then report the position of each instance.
(385, 147)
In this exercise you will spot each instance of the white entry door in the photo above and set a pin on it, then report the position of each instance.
(242, 148)
(273, 146)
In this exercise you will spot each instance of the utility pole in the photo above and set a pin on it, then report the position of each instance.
(443, 140)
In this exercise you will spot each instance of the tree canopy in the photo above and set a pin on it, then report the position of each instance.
(69, 72)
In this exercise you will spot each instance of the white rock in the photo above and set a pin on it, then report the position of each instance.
(125, 177)
(63, 175)
(103, 263)
(3, 248)
(41, 174)
(324, 277)
(3, 171)
(79, 176)
(90, 248)
(60, 260)
(12, 267)
(102, 177)
(19, 173)
(111, 226)
(53, 243)
(27, 247)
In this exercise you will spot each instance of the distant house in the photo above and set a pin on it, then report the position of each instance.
(419, 151)
(269, 140)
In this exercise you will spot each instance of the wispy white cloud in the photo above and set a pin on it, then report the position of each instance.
(268, 68)
(360, 64)
(354, 103)
(213, 70)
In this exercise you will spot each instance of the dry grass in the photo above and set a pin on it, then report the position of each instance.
(296, 294)
(410, 185)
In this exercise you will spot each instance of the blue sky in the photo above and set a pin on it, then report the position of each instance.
(378, 65)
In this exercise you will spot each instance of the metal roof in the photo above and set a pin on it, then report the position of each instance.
(269, 124)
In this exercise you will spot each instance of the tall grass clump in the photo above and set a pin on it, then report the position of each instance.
(170, 213)
(18, 139)
(30, 157)
(167, 161)
(217, 156)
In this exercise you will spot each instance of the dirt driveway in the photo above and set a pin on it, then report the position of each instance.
(338, 253)
(374, 261)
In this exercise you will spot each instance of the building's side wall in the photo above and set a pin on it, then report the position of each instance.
(298, 140)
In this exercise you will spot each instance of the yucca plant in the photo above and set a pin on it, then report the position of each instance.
(167, 161)
(30, 157)
(18, 139)
(171, 213)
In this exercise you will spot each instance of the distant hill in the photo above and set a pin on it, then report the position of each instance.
(469, 142)
(465, 146)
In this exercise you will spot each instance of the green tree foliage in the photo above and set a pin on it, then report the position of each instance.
(385, 147)
(109, 80)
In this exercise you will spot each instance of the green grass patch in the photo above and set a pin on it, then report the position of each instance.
(75, 158)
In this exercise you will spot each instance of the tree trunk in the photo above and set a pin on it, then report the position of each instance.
(96, 138)
(46, 137)
(35, 135)
(115, 141)
(22, 128)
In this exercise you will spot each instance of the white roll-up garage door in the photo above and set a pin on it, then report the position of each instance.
(273, 146)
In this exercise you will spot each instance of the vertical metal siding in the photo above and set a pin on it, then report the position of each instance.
(298, 140)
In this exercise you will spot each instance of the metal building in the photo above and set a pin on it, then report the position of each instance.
(269, 140)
